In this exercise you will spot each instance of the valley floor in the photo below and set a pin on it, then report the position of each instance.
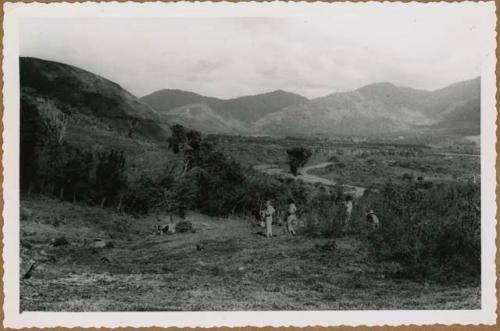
(235, 269)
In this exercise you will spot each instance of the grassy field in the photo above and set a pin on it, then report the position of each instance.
(375, 170)
(363, 163)
(236, 269)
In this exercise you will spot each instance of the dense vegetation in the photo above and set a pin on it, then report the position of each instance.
(51, 166)
(429, 231)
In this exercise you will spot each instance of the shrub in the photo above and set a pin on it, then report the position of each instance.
(432, 231)
(324, 215)
(143, 196)
(333, 159)
(220, 184)
(184, 226)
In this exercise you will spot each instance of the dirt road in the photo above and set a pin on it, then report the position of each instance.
(304, 175)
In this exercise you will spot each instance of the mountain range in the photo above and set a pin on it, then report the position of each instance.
(375, 109)
(381, 108)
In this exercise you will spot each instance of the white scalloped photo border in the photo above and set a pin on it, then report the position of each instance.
(13, 12)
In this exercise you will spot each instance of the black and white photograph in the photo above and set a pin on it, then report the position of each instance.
(326, 158)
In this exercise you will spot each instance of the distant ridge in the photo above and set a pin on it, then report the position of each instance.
(374, 109)
(246, 108)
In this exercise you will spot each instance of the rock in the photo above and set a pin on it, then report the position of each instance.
(98, 244)
(105, 259)
(199, 247)
(331, 245)
(59, 241)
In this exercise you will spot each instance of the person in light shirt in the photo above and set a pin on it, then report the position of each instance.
(347, 204)
(291, 217)
(268, 214)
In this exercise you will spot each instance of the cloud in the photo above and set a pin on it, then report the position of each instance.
(427, 47)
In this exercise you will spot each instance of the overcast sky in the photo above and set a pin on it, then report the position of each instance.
(426, 47)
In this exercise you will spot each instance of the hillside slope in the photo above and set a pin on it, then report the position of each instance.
(94, 104)
(381, 108)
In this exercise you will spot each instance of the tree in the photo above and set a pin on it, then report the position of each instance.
(52, 153)
(43, 129)
(77, 175)
(178, 140)
(32, 135)
(297, 158)
(191, 143)
(110, 178)
(132, 127)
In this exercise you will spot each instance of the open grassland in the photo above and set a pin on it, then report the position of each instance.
(375, 170)
(362, 163)
(233, 268)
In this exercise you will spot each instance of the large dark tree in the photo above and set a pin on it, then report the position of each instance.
(297, 158)
(178, 140)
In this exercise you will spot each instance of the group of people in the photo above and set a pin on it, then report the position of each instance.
(268, 212)
(266, 216)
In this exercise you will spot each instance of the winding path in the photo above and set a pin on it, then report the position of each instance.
(305, 176)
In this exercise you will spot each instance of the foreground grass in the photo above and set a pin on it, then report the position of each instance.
(236, 269)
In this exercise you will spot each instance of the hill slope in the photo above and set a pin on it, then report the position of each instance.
(217, 115)
(381, 108)
(94, 104)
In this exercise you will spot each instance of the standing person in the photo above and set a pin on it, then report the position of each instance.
(268, 213)
(347, 204)
(372, 218)
(291, 217)
(348, 207)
